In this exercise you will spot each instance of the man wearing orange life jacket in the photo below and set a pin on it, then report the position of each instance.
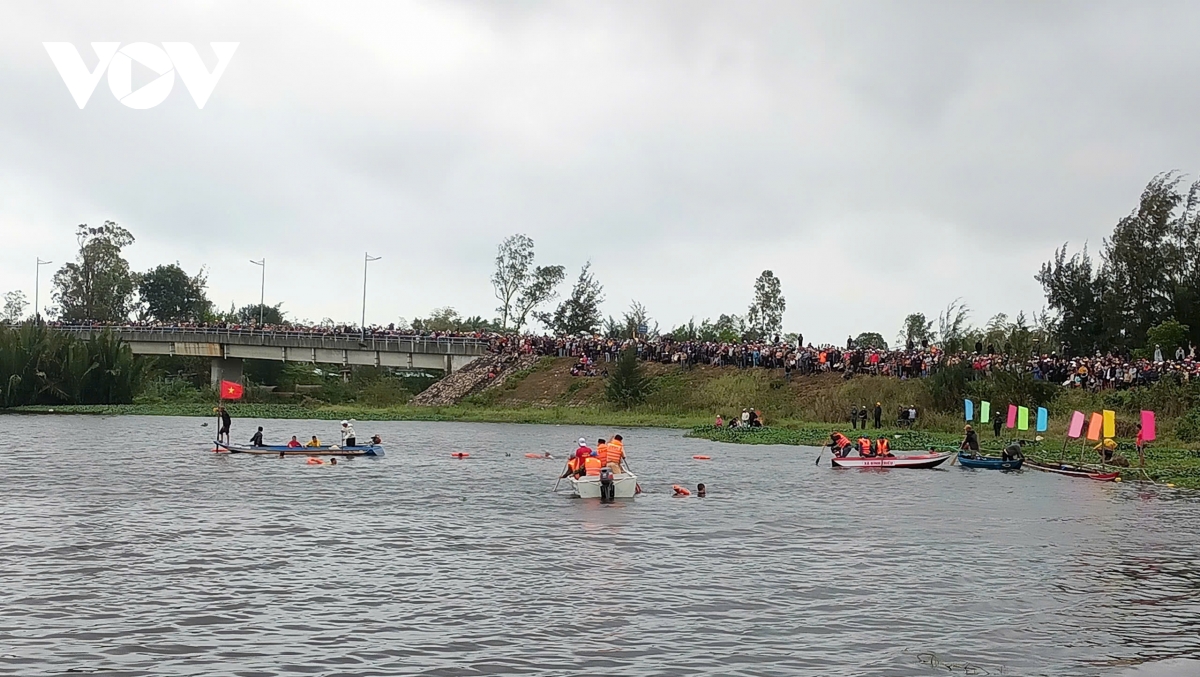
(616, 454)
(882, 447)
(602, 451)
(840, 444)
(592, 465)
(864, 448)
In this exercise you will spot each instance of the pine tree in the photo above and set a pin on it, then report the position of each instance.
(628, 384)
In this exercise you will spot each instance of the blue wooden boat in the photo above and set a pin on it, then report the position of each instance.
(988, 462)
(323, 450)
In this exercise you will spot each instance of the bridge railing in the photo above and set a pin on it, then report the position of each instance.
(370, 341)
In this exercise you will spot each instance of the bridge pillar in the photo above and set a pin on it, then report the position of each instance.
(449, 365)
(226, 369)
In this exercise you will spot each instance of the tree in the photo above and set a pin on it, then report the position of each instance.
(98, 285)
(952, 326)
(540, 289)
(627, 385)
(871, 341)
(514, 256)
(635, 318)
(270, 314)
(916, 331)
(169, 294)
(580, 313)
(519, 289)
(1168, 336)
(14, 307)
(765, 316)
(1074, 291)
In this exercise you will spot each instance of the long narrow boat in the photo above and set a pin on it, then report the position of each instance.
(1074, 471)
(931, 460)
(276, 450)
(988, 462)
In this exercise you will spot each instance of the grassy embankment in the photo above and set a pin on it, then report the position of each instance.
(801, 411)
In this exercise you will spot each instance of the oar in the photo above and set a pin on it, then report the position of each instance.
(560, 476)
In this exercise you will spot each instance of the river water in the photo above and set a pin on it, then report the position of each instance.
(130, 549)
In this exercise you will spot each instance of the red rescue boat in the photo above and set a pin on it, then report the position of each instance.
(931, 460)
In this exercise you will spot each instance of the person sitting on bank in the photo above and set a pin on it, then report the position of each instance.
(257, 439)
(970, 441)
(1106, 448)
(293, 443)
(314, 442)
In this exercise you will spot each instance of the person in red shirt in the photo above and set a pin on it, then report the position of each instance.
(581, 454)
(293, 443)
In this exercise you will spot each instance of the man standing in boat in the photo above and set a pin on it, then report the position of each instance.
(223, 429)
(348, 438)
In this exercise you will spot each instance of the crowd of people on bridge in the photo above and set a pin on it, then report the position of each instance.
(591, 352)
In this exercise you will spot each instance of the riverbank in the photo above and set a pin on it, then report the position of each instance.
(1164, 465)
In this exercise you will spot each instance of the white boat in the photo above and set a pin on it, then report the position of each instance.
(588, 486)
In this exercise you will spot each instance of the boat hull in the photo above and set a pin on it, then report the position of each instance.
(916, 462)
(1074, 471)
(275, 450)
(588, 486)
(987, 463)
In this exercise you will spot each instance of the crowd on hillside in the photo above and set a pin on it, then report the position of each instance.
(1098, 372)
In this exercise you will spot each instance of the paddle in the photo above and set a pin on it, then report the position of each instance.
(560, 476)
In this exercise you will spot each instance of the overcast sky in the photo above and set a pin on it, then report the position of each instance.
(882, 158)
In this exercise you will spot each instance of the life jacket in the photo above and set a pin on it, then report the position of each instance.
(572, 465)
(602, 453)
(592, 465)
(616, 452)
(882, 447)
(840, 440)
(864, 447)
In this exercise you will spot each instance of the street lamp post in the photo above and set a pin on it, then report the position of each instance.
(37, 287)
(367, 258)
(262, 291)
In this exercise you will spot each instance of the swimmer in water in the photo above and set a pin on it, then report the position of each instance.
(333, 461)
(700, 490)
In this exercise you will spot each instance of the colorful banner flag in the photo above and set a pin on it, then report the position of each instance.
(985, 412)
(1094, 426)
(1043, 420)
(1148, 432)
(1022, 418)
(1110, 423)
(231, 390)
(969, 408)
(1012, 416)
(1076, 428)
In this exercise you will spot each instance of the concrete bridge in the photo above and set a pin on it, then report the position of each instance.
(228, 347)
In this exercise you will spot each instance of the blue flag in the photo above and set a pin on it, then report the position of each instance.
(969, 406)
(1042, 422)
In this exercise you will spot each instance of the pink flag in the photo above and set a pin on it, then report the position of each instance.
(1148, 426)
(1012, 416)
(1076, 428)
(1094, 426)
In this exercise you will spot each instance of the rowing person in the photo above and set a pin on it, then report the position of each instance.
(257, 439)
(840, 444)
(970, 441)
(223, 430)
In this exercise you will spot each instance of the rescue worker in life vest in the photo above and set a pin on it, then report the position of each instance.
(883, 448)
(840, 444)
(864, 448)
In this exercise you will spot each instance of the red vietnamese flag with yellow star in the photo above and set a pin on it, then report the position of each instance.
(231, 390)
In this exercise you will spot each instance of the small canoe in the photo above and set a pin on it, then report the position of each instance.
(919, 461)
(275, 450)
(588, 486)
(1074, 471)
(988, 462)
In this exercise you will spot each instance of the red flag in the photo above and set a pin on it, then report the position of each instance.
(231, 390)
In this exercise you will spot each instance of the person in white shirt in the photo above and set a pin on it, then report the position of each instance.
(348, 439)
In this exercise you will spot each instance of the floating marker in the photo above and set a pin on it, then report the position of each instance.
(1076, 428)
(1043, 419)
(969, 408)
(1148, 432)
